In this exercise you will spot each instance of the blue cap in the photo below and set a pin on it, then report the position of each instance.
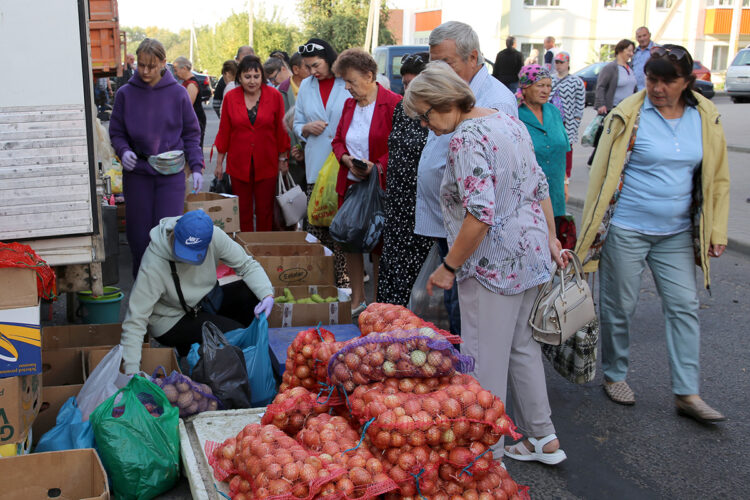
(192, 236)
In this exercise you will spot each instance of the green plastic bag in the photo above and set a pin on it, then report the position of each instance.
(138, 440)
(324, 200)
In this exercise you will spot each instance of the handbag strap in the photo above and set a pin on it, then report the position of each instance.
(281, 188)
(175, 277)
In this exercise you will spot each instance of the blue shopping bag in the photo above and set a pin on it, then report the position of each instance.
(70, 431)
(253, 341)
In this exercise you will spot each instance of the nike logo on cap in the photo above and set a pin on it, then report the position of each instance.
(193, 240)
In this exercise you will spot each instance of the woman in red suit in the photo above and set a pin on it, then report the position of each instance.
(253, 138)
(362, 134)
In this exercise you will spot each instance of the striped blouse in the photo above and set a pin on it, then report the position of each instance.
(493, 175)
(572, 93)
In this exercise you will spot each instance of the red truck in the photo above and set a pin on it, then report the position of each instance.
(107, 43)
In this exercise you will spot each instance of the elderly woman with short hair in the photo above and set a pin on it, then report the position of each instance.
(662, 161)
(500, 227)
(362, 134)
(183, 69)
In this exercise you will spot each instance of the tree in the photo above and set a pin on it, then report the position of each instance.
(342, 23)
(216, 44)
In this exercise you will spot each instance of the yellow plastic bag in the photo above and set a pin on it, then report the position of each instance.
(324, 201)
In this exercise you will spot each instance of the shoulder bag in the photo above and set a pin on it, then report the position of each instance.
(563, 306)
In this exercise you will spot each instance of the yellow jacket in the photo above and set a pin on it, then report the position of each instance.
(609, 162)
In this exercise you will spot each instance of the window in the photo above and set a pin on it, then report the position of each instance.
(724, 3)
(615, 4)
(542, 3)
(526, 49)
(719, 58)
(664, 4)
(742, 58)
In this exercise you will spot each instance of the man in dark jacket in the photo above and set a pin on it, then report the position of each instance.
(508, 63)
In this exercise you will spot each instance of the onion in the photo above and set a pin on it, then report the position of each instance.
(346, 486)
(475, 412)
(461, 428)
(389, 368)
(451, 408)
(278, 487)
(291, 471)
(485, 399)
(467, 398)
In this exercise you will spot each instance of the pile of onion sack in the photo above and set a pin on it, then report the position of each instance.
(391, 414)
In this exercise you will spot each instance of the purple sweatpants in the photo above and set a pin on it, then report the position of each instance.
(148, 199)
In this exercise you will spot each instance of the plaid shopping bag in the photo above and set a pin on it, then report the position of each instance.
(575, 359)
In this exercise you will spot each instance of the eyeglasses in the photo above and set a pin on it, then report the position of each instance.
(559, 62)
(425, 117)
(675, 54)
(412, 58)
(272, 78)
(309, 47)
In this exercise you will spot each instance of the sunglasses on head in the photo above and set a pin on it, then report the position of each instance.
(412, 58)
(675, 54)
(309, 47)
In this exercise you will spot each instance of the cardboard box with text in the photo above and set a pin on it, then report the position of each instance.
(222, 208)
(20, 399)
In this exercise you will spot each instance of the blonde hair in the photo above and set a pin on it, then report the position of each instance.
(441, 88)
(183, 62)
(152, 47)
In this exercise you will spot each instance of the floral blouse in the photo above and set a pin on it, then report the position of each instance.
(493, 175)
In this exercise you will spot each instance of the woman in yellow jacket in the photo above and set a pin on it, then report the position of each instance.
(658, 195)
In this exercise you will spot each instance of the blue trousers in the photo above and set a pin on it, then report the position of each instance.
(670, 258)
(450, 297)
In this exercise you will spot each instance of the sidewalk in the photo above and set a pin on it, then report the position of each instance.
(735, 126)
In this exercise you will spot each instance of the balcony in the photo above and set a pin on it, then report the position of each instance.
(719, 22)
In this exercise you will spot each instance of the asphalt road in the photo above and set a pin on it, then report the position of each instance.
(648, 451)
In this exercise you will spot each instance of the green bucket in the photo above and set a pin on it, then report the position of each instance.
(100, 309)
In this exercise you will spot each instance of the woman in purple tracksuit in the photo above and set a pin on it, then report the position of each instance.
(152, 115)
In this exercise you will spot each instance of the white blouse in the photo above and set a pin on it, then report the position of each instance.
(358, 135)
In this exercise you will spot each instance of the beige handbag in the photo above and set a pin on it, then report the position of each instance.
(292, 200)
(564, 305)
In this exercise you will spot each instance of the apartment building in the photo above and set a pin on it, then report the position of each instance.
(585, 28)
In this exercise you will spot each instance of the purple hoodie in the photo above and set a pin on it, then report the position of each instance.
(153, 120)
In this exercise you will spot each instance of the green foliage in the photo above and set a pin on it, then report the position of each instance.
(216, 44)
(342, 23)
(605, 53)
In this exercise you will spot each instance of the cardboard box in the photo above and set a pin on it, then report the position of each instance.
(53, 397)
(278, 250)
(19, 405)
(59, 337)
(70, 474)
(222, 208)
(151, 359)
(275, 237)
(63, 366)
(299, 270)
(20, 341)
(328, 313)
(17, 288)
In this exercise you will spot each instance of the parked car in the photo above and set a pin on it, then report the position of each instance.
(389, 57)
(701, 72)
(738, 77)
(204, 82)
(590, 75)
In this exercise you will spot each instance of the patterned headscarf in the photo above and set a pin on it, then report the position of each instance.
(528, 76)
(562, 56)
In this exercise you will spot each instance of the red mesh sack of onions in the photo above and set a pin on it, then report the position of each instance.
(400, 353)
(291, 408)
(337, 443)
(273, 464)
(456, 415)
(405, 461)
(300, 364)
(379, 317)
(445, 483)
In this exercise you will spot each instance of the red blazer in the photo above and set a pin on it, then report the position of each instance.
(380, 129)
(243, 142)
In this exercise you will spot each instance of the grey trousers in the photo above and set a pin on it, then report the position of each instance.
(495, 330)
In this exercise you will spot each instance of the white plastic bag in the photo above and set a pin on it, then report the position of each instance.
(420, 303)
(589, 134)
(104, 381)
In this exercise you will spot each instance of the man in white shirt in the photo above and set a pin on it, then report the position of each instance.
(456, 44)
(549, 52)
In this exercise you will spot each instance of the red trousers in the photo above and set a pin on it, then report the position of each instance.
(261, 194)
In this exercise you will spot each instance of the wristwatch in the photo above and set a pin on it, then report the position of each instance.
(449, 268)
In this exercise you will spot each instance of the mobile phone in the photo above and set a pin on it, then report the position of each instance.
(359, 164)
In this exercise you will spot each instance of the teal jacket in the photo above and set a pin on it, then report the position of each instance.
(550, 145)
(154, 305)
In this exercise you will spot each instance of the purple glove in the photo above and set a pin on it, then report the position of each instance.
(264, 306)
(197, 181)
(129, 159)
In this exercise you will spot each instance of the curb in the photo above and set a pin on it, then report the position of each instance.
(734, 245)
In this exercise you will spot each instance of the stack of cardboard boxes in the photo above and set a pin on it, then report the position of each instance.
(298, 262)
